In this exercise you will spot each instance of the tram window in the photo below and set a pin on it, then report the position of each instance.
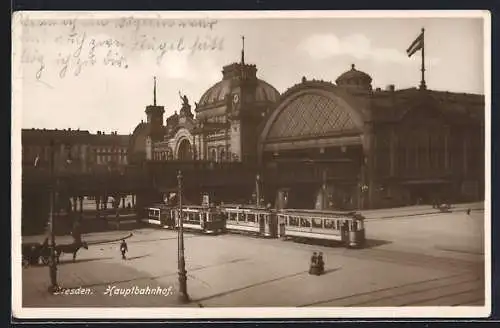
(250, 217)
(306, 223)
(329, 224)
(232, 216)
(317, 223)
(293, 221)
(354, 226)
(360, 225)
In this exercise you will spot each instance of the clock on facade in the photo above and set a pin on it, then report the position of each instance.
(236, 98)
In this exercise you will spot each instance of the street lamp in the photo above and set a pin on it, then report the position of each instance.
(52, 259)
(257, 189)
(183, 295)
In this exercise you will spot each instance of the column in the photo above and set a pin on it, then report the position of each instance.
(465, 152)
(81, 207)
(446, 149)
(369, 166)
(392, 153)
(97, 207)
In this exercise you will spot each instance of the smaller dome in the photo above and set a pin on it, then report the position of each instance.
(353, 77)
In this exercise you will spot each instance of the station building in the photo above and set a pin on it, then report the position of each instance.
(340, 145)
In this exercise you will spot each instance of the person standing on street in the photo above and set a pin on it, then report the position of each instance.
(123, 249)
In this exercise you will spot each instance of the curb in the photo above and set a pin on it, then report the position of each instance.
(423, 213)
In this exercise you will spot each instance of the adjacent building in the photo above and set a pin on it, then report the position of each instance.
(76, 151)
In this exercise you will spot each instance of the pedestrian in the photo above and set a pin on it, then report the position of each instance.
(468, 211)
(321, 264)
(313, 267)
(123, 249)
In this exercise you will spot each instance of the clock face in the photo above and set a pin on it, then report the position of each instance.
(236, 98)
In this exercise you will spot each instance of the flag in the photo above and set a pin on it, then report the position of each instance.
(37, 160)
(417, 45)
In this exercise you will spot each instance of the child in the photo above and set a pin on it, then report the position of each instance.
(123, 249)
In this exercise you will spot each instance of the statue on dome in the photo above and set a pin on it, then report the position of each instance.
(186, 107)
(184, 99)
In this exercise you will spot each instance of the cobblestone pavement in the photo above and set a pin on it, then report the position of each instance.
(416, 260)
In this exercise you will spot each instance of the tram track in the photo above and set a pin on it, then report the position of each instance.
(422, 292)
(414, 259)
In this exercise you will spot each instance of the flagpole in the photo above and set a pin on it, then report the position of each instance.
(422, 82)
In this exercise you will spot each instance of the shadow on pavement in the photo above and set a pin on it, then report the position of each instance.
(138, 257)
(64, 262)
(372, 243)
(317, 242)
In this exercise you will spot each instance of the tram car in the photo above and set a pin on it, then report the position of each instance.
(33, 253)
(199, 218)
(161, 215)
(207, 219)
(250, 219)
(345, 227)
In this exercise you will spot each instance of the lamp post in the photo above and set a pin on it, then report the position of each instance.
(52, 259)
(257, 189)
(183, 295)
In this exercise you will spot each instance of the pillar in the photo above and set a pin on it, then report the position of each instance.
(392, 152)
(81, 207)
(446, 149)
(97, 205)
(367, 166)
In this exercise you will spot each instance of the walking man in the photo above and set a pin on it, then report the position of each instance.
(123, 249)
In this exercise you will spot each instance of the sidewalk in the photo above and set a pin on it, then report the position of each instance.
(417, 210)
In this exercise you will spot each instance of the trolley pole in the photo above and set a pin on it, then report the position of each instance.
(52, 259)
(183, 295)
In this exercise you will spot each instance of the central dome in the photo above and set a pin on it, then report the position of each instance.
(240, 77)
(264, 92)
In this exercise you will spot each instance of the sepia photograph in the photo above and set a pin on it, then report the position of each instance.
(265, 164)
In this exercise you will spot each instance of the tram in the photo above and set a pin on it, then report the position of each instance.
(250, 219)
(199, 218)
(161, 215)
(202, 218)
(345, 227)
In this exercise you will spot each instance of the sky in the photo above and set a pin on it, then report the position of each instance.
(94, 73)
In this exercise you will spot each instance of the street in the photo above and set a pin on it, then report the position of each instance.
(421, 260)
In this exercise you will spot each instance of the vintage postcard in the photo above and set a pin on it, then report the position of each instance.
(294, 164)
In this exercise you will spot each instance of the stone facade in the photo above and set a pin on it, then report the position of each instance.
(331, 145)
(376, 148)
(225, 128)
